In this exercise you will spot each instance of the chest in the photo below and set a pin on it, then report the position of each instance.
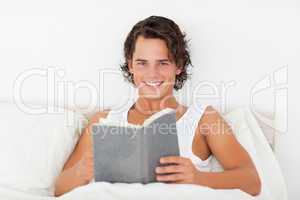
(199, 146)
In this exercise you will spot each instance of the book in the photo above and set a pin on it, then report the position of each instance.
(129, 153)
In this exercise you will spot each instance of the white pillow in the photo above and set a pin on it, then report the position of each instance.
(34, 148)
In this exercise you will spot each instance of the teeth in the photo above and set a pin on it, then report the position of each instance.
(153, 83)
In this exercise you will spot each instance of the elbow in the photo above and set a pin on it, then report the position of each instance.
(57, 192)
(252, 182)
(255, 188)
(58, 188)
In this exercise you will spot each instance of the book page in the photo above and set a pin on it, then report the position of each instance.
(160, 139)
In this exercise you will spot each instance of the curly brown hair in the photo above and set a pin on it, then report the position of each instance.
(167, 30)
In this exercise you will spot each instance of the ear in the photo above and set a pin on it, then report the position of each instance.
(178, 70)
(130, 66)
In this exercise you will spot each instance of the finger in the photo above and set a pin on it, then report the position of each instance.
(173, 159)
(169, 169)
(171, 177)
(178, 182)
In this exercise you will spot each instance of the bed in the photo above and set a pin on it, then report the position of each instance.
(34, 147)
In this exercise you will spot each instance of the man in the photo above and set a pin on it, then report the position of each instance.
(156, 62)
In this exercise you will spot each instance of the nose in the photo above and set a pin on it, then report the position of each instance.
(153, 70)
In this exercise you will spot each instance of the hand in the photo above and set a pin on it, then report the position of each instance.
(85, 167)
(182, 168)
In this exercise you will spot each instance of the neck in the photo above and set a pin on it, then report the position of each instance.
(149, 106)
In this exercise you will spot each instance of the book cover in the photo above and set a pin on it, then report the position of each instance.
(129, 153)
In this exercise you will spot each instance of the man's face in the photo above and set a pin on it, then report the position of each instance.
(153, 71)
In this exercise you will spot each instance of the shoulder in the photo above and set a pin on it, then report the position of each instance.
(95, 119)
(213, 125)
(86, 135)
(92, 120)
(210, 120)
(210, 114)
(101, 114)
(206, 112)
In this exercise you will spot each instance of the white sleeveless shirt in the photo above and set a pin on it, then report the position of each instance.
(186, 127)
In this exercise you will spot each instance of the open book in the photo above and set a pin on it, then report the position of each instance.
(129, 153)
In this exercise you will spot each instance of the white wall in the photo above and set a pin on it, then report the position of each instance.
(236, 42)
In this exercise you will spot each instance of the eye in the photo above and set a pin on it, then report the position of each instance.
(164, 63)
(141, 63)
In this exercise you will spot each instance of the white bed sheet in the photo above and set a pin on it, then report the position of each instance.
(117, 191)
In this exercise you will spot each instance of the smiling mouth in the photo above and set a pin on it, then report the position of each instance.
(153, 83)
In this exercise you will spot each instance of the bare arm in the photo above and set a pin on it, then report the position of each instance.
(78, 170)
(239, 170)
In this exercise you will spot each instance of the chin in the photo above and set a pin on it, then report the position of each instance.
(149, 95)
(154, 95)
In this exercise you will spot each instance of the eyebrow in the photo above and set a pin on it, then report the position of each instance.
(164, 60)
(139, 59)
(159, 60)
